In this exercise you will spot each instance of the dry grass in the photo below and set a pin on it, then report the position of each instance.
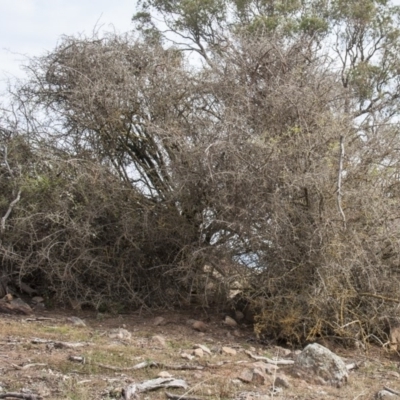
(61, 378)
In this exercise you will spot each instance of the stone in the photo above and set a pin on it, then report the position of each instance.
(76, 321)
(39, 307)
(187, 356)
(394, 374)
(202, 347)
(164, 374)
(199, 326)
(246, 375)
(159, 321)
(282, 381)
(37, 299)
(316, 363)
(120, 333)
(198, 353)
(259, 377)
(394, 338)
(229, 351)
(239, 315)
(271, 369)
(160, 339)
(282, 352)
(230, 322)
(268, 368)
(384, 394)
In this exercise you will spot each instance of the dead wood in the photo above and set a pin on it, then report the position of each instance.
(134, 389)
(269, 360)
(59, 345)
(179, 397)
(391, 390)
(12, 395)
(152, 364)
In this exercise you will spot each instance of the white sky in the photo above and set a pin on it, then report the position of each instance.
(32, 27)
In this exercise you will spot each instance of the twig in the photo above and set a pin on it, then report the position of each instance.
(378, 296)
(141, 365)
(268, 360)
(339, 183)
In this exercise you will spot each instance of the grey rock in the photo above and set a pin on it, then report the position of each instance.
(76, 321)
(318, 364)
(282, 381)
(246, 375)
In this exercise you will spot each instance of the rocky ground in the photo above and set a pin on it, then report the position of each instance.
(62, 355)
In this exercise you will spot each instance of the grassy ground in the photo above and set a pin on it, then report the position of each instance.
(46, 369)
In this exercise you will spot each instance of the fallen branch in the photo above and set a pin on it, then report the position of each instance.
(152, 364)
(12, 395)
(134, 389)
(269, 360)
(59, 345)
(144, 364)
(391, 390)
(39, 319)
(179, 397)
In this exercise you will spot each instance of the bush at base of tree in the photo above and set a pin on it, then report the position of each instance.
(270, 167)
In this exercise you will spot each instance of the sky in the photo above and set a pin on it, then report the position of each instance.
(33, 27)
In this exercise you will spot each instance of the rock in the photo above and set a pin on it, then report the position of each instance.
(252, 396)
(282, 381)
(268, 368)
(239, 315)
(197, 375)
(384, 394)
(76, 321)
(271, 369)
(394, 338)
(282, 352)
(230, 322)
(246, 375)
(202, 347)
(120, 333)
(259, 377)
(199, 326)
(39, 307)
(187, 356)
(26, 289)
(318, 364)
(7, 298)
(198, 353)
(229, 351)
(237, 333)
(159, 321)
(394, 374)
(37, 299)
(160, 339)
(164, 374)
(11, 305)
